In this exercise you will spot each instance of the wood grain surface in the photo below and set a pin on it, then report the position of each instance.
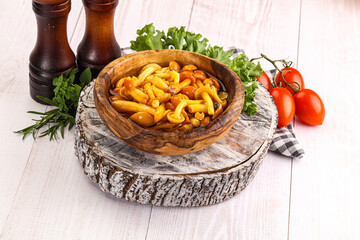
(44, 194)
(323, 188)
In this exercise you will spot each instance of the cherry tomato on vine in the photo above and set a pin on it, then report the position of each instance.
(285, 105)
(309, 107)
(293, 77)
(265, 81)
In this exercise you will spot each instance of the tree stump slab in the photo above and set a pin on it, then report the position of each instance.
(209, 176)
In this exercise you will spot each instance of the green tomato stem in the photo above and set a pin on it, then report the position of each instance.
(286, 64)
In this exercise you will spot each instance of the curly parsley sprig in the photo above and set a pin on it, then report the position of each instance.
(177, 38)
(66, 99)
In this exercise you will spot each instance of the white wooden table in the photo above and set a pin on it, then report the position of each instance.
(45, 195)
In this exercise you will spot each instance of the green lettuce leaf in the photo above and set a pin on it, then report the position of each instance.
(147, 40)
(219, 54)
(246, 70)
(176, 37)
(249, 105)
(194, 44)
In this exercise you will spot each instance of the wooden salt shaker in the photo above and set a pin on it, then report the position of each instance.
(52, 55)
(99, 45)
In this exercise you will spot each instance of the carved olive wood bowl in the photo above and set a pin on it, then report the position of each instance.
(167, 143)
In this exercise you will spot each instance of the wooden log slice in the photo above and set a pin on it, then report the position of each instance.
(209, 176)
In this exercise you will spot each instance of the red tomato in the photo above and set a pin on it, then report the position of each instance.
(309, 107)
(265, 81)
(285, 105)
(292, 76)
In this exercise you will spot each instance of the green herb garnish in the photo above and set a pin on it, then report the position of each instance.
(247, 71)
(151, 39)
(66, 99)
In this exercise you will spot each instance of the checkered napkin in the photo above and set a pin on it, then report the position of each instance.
(284, 141)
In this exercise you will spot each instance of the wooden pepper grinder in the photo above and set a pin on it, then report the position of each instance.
(52, 55)
(99, 45)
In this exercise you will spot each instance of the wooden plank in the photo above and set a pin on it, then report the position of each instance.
(55, 199)
(18, 26)
(255, 26)
(267, 197)
(325, 193)
(14, 152)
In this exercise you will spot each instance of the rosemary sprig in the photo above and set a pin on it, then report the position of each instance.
(65, 101)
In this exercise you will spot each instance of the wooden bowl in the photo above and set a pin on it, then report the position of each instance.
(167, 143)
